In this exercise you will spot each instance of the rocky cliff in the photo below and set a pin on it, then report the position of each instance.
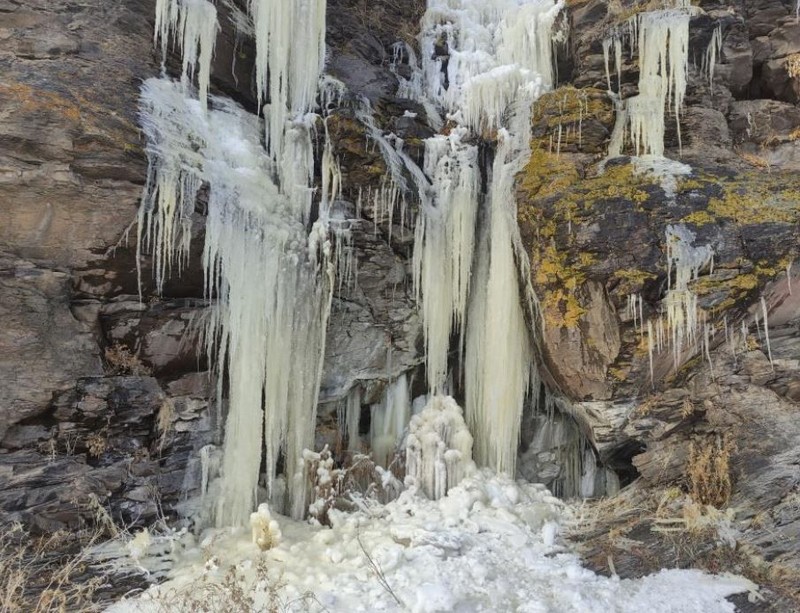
(105, 398)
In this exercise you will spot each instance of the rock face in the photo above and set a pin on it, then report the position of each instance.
(600, 234)
(97, 387)
(104, 398)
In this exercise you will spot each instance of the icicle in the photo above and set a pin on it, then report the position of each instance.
(707, 333)
(288, 64)
(389, 420)
(650, 347)
(680, 302)
(439, 447)
(445, 239)
(498, 352)
(353, 417)
(271, 283)
(765, 313)
(499, 59)
(712, 54)
(662, 40)
(617, 140)
(194, 24)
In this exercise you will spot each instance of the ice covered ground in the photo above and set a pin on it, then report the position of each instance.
(490, 545)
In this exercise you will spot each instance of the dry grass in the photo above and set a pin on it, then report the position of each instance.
(708, 471)
(46, 574)
(404, 17)
(121, 361)
(793, 65)
(753, 159)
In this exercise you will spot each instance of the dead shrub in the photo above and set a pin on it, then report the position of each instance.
(708, 471)
(121, 361)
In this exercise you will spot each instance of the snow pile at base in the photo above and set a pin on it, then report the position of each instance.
(439, 448)
(490, 545)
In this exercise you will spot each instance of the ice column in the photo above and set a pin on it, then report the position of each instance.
(439, 447)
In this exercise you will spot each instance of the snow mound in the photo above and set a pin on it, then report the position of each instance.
(490, 544)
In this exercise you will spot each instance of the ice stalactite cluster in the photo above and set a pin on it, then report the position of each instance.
(193, 25)
(290, 57)
(439, 447)
(494, 49)
(661, 38)
(268, 268)
(684, 327)
(684, 263)
(499, 59)
(445, 238)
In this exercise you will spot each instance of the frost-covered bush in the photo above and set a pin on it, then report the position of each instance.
(347, 487)
(266, 531)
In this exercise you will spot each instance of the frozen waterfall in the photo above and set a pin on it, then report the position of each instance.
(269, 266)
(499, 60)
(269, 276)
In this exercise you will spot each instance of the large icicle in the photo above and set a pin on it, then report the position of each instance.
(499, 359)
(445, 237)
(271, 282)
(389, 420)
(193, 23)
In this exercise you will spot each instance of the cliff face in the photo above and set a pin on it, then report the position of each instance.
(104, 396)
(600, 236)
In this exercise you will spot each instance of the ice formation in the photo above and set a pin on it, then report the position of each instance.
(290, 56)
(498, 355)
(193, 23)
(491, 544)
(389, 419)
(683, 327)
(684, 263)
(499, 59)
(662, 40)
(713, 52)
(765, 314)
(445, 238)
(269, 276)
(439, 447)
